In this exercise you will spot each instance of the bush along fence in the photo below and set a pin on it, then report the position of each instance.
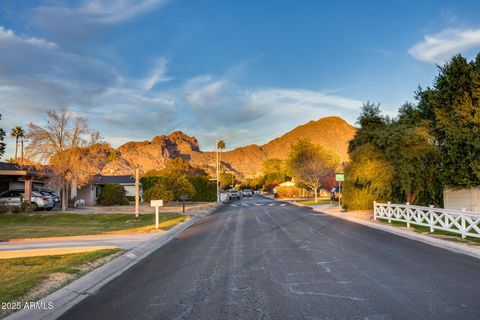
(465, 223)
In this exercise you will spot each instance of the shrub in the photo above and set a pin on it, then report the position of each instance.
(205, 190)
(112, 194)
(157, 192)
(288, 192)
(26, 207)
(6, 209)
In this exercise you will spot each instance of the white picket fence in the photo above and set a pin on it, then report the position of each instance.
(461, 222)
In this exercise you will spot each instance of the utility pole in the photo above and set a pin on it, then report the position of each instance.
(137, 192)
(218, 173)
(21, 141)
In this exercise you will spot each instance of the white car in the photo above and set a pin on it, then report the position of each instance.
(247, 193)
(234, 194)
(15, 198)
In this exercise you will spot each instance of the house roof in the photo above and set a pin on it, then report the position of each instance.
(9, 166)
(102, 180)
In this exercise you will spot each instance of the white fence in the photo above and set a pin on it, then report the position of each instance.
(461, 222)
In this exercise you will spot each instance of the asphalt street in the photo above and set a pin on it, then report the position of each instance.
(261, 259)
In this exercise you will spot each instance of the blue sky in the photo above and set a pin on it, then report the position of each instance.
(245, 71)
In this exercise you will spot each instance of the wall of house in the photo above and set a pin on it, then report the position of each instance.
(87, 193)
(468, 199)
(130, 190)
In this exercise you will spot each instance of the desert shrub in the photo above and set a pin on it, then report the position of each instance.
(112, 194)
(288, 192)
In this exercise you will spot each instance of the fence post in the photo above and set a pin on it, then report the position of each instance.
(430, 218)
(389, 211)
(374, 210)
(408, 214)
(462, 218)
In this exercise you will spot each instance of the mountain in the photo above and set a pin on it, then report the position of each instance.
(333, 133)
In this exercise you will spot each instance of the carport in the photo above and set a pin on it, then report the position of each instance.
(13, 176)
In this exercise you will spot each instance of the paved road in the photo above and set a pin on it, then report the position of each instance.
(284, 262)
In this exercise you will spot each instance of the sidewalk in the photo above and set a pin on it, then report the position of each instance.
(75, 245)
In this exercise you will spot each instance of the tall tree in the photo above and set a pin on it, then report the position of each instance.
(310, 164)
(63, 143)
(2, 138)
(17, 133)
(454, 105)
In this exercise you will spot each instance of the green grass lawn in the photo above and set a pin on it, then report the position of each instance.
(422, 229)
(313, 203)
(68, 224)
(20, 276)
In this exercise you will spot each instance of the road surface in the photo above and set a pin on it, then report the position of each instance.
(261, 259)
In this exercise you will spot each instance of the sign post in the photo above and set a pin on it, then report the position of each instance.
(156, 204)
(137, 192)
(339, 177)
(183, 197)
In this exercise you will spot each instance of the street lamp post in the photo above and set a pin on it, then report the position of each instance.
(218, 173)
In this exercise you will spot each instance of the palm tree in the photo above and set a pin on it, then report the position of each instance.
(18, 133)
(220, 146)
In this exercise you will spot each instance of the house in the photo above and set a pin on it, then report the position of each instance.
(91, 192)
(13, 176)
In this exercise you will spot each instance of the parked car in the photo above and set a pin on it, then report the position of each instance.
(55, 197)
(247, 193)
(38, 200)
(234, 194)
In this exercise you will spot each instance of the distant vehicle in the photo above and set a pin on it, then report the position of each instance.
(247, 193)
(234, 194)
(38, 200)
(257, 191)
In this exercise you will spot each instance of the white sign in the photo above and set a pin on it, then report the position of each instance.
(156, 203)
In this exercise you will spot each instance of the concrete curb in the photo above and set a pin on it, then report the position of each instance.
(444, 244)
(73, 293)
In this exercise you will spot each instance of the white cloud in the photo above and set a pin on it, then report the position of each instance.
(7, 36)
(438, 47)
(222, 108)
(221, 101)
(301, 99)
(98, 11)
(158, 74)
(76, 25)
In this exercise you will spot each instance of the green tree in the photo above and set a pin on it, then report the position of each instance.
(367, 178)
(310, 164)
(452, 109)
(275, 172)
(17, 133)
(170, 188)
